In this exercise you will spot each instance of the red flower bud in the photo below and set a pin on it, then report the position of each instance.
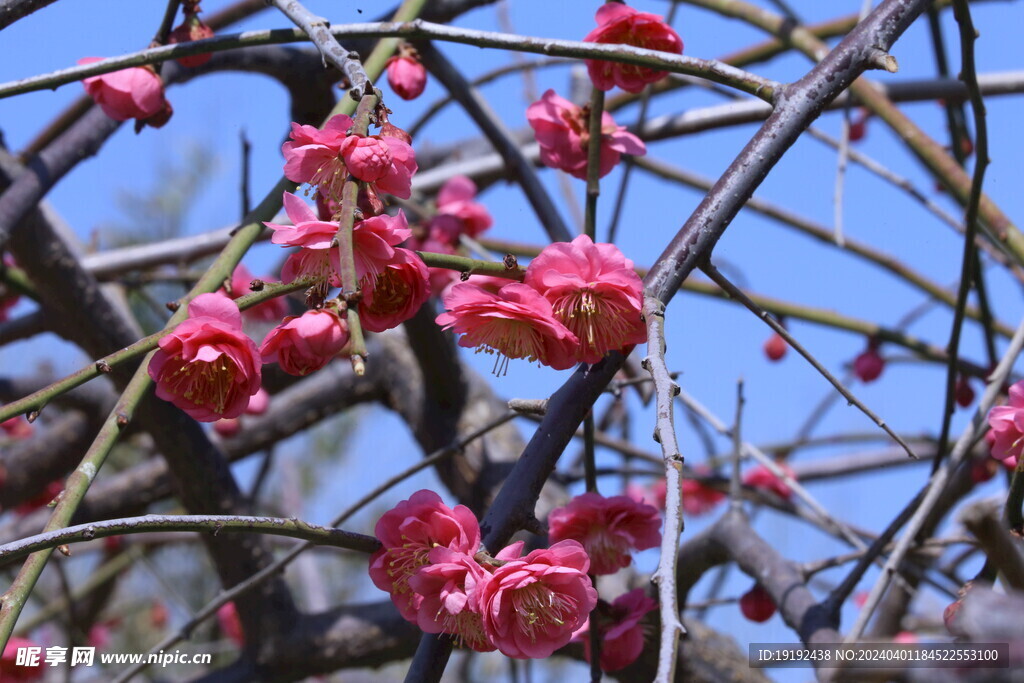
(868, 366)
(964, 392)
(192, 28)
(757, 605)
(775, 347)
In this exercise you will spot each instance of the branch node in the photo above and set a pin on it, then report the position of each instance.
(882, 60)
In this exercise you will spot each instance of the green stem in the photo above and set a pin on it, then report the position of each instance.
(350, 292)
(15, 280)
(471, 266)
(274, 526)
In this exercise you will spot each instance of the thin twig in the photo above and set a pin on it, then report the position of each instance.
(595, 110)
(275, 526)
(737, 448)
(665, 390)
(627, 166)
(738, 294)
(970, 77)
(350, 292)
(318, 30)
(844, 151)
(168, 21)
(938, 481)
(244, 182)
(1001, 547)
(423, 30)
(821, 233)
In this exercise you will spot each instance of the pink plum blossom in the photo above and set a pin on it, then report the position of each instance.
(622, 634)
(456, 198)
(447, 585)
(132, 93)
(321, 265)
(312, 156)
(207, 366)
(561, 129)
(367, 157)
(306, 231)
(406, 76)
(408, 532)
(373, 242)
(531, 606)
(593, 291)
(270, 310)
(305, 343)
(1007, 423)
(608, 528)
(324, 158)
(515, 321)
(396, 293)
(762, 478)
(619, 24)
(698, 497)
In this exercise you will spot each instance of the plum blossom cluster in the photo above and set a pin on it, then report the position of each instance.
(578, 301)
(524, 606)
(324, 158)
(212, 370)
(209, 368)
(458, 216)
(563, 132)
(610, 530)
(562, 129)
